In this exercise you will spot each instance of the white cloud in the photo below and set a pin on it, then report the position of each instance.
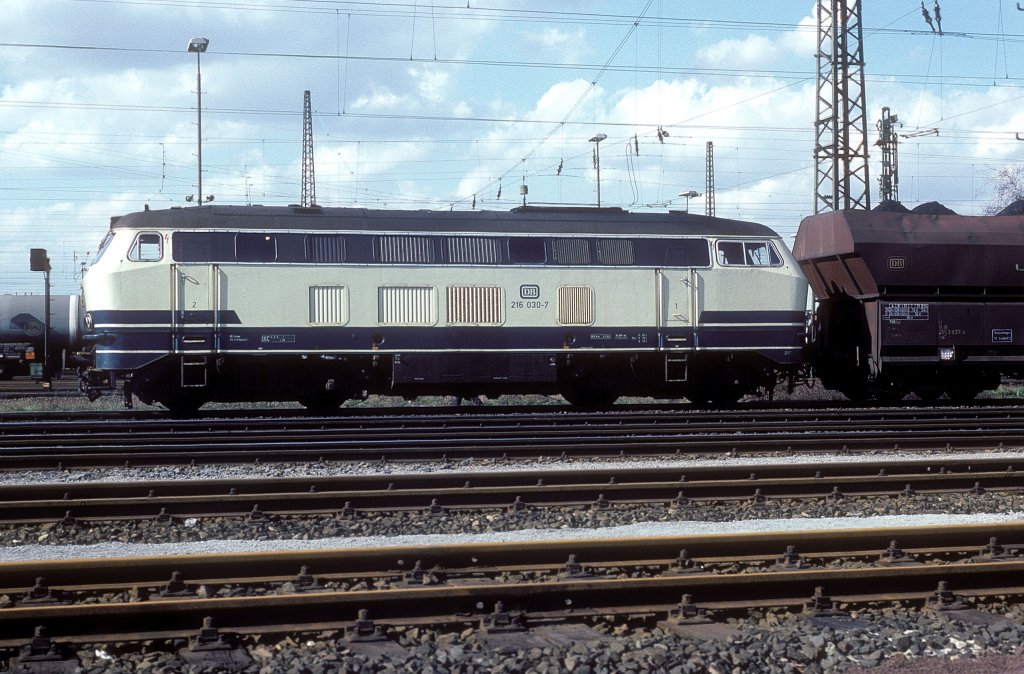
(431, 83)
(554, 44)
(761, 52)
(381, 100)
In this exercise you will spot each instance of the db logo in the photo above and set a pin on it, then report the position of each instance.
(897, 263)
(529, 292)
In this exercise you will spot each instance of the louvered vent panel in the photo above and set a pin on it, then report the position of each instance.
(405, 305)
(325, 248)
(571, 251)
(476, 306)
(328, 305)
(575, 305)
(615, 251)
(399, 249)
(473, 250)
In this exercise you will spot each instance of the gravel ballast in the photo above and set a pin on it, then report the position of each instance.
(880, 640)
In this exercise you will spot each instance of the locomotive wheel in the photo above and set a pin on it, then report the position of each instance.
(321, 405)
(714, 395)
(963, 393)
(592, 398)
(183, 404)
(855, 395)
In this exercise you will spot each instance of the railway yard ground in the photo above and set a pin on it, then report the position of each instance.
(803, 537)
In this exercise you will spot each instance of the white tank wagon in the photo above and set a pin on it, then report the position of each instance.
(248, 303)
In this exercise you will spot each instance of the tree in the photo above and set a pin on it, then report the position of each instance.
(1008, 186)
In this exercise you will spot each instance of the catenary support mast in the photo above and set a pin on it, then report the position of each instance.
(841, 146)
(308, 173)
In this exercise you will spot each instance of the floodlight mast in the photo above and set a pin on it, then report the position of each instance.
(596, 140)
(198, 45)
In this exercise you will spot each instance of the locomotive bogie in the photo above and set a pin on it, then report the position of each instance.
(328, 304)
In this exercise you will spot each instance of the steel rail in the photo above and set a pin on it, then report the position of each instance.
(36, 433)
(555, 406)
(414, 448)
(345, 495)
(466, 602)
(24, 425)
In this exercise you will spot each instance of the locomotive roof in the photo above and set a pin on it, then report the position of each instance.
(528, 220)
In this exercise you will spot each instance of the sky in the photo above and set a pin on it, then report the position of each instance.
(453, 104)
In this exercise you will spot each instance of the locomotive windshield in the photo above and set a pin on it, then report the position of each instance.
(748, 254)
(103, 247)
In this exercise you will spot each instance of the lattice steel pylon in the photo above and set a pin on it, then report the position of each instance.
(841, 138)
(308, 172)
(709, 182)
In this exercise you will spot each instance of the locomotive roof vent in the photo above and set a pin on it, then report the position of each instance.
(306, 210)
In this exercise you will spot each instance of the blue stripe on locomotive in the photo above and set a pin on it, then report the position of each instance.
(777, 335)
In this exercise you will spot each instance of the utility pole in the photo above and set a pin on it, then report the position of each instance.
(889, 181)
(841, 141)
(308, 173)
(709, 183)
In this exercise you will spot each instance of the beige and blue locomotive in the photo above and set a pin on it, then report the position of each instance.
(321, 305)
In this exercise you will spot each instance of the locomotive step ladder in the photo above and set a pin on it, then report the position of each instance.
(677, 367)
(195, 305)
(193, 371)
(677, 362)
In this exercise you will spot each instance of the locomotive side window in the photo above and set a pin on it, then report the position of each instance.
(526, 250)
(570, 251)
(730, 252)
(687, 253)
(616, 251)
(255, 247)
(147, 247)
(748, 253)
(203, 246)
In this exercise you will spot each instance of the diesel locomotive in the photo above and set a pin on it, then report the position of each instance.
(321, 305)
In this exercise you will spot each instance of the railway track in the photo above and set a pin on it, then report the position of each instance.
(354, 495)
(34, 444)
(295, 592)
(24, 387)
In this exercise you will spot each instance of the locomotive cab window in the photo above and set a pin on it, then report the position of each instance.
(147, 247)
(255, 247)
(748, 254)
